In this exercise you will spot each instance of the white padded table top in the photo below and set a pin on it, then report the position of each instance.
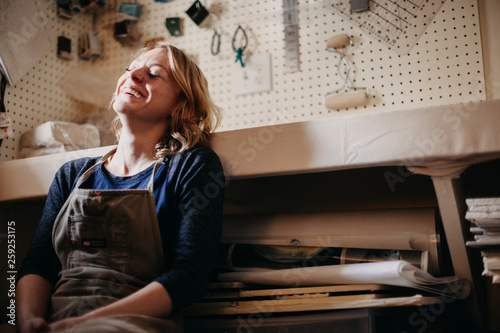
(437, 140)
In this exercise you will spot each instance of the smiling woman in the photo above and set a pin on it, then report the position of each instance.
(193, 116)
(147, 90)
(123, 243)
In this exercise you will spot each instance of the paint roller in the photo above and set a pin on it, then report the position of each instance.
(338, 41)
(335, 100)
(344, 101)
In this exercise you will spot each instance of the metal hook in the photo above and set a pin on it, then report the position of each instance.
(215, 36)
(234, 38)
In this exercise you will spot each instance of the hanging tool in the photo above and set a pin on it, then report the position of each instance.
(64, 48)
(5, 121)
(130, 8)
(89, 46)
(397, 24)
(215, 46)
(174, 26)
(291, 36)
(334, 100)
(239, 51)
(198, 13)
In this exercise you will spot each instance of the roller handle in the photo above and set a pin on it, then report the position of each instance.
(344, 101)
(338, 41)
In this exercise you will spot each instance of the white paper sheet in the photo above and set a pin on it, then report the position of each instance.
(395, 273)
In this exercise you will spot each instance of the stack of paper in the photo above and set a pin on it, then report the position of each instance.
(484, 214)
(393, 273)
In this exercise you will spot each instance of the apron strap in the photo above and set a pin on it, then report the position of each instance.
(103, 159)
(87, 173)
(152, 178)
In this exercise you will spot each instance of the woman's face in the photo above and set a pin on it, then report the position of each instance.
(147, 90)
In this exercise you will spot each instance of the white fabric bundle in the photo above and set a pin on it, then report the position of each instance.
(58, 137)
(483, 211)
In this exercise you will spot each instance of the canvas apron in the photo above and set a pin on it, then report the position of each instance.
(109, 245)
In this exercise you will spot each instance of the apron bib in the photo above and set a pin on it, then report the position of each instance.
(109, 245)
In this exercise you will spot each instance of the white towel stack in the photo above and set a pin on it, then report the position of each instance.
(484, 214)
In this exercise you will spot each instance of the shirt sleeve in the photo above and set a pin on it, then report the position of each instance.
(41, 258)
(198, 186)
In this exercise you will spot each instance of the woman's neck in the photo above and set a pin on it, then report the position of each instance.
(135, 152)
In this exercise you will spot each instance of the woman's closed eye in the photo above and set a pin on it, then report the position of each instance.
(149, 73)
(154, 75)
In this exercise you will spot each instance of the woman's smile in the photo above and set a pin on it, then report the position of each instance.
(133, 92)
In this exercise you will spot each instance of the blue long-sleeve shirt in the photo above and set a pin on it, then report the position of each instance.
(189, 192)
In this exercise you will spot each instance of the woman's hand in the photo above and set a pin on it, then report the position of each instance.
(65, 324)
(152, 300)
(34, 325)
(32, 299)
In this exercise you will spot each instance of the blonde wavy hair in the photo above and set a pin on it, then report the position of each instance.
(195, 116)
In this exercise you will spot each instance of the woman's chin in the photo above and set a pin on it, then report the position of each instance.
(122, 107)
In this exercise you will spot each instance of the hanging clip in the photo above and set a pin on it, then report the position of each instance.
(239, 51)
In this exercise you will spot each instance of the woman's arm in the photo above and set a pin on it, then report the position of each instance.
(196, 193)
(32, 299)
(38, 273)
(41, 258)
(40, 267)
(152, 300)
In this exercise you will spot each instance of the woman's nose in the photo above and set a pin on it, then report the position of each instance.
(136, 74)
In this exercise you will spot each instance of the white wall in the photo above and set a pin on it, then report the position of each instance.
(444, 67)
(489, 11)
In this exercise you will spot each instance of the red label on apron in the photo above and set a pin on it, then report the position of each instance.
(94, 243)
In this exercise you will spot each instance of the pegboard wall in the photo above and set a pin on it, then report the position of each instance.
(37, 97)
(444, 67)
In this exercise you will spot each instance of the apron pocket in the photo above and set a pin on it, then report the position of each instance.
(99, 242)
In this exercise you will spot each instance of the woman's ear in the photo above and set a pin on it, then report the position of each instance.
(188, 114)
(183, 112)
(182, 109)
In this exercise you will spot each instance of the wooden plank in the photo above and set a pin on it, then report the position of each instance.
(296, 291)
(452, 208)
(266, 304)
(312, 304)
(231, 285)
(310, 290)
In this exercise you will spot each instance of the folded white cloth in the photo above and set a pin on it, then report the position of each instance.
(57, 137)
(474, 216)
(494, 201)
(487, 209)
